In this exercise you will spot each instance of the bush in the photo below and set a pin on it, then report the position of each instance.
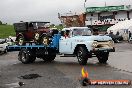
(0, 22)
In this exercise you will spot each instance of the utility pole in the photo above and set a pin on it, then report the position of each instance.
(105, 4)
(85, 3)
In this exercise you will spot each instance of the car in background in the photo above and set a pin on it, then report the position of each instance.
(3, 46)
(31, 32)
(4, 43)
(10, 40)
(115, 38)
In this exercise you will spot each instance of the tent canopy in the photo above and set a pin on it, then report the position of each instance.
(121, 27)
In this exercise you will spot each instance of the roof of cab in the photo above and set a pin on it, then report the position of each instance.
(71, 28)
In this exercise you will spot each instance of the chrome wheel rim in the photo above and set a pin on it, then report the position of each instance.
(79, 55)
(20, 42)
(24, 57)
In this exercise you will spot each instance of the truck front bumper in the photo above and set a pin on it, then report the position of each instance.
(102, 50)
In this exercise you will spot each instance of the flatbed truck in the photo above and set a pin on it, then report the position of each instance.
(83, 46)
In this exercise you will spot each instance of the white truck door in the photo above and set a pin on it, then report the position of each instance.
(65, 45)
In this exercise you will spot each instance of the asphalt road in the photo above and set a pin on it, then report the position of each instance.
(122, 58)
(65, 72)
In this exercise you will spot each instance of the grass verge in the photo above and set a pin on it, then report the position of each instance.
(6, 31)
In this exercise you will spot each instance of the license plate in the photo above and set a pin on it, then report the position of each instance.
(103, 50)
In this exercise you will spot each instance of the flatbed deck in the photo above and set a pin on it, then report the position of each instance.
(18, 48)
(54, 44)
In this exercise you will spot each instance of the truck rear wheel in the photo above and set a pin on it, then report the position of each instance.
(82, 55)
(102, 57)
(32, 56)
(51, 55)
(26, 57)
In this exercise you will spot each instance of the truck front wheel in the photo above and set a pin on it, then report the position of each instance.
(82, 55)
(102, 57)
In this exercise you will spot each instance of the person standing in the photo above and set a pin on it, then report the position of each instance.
(117, 33)
(129, 36)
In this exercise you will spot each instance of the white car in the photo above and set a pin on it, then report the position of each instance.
(80, 42)
(3, 45)
(11, 40)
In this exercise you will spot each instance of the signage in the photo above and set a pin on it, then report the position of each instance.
(108, 8)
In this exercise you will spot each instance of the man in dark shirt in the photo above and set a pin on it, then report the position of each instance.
(129, 35)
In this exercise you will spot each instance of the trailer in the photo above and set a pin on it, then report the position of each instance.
(29, 52)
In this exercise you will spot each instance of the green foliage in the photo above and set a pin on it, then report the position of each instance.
(103, 28)
(0, 22)
(6, 31)
(60, 26)
(52, 25)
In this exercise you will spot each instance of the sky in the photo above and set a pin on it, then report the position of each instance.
(12, 11)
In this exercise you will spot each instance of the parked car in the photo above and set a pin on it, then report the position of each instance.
(10, 40)
(3, 46)
(115, 38)
(31, 32)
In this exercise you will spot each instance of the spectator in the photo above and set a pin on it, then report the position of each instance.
(117, 33)
(129, 35)
(106, 33)
(67, 33)
(111, 33)
(95, 31)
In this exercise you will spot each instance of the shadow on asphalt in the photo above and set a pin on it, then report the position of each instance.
(59, 63)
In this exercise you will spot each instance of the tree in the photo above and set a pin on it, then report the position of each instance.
(0, 22)
(52, 25)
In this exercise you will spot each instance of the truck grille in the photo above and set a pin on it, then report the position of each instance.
(104, 44)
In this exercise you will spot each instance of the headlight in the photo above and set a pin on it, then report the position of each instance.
(95, 43)
(111, 43)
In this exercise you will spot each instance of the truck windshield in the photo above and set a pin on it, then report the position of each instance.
(81, 32)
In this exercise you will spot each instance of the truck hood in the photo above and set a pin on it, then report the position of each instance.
(93, 38)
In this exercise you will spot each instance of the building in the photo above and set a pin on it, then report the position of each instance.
(104, 17)
(71, 20)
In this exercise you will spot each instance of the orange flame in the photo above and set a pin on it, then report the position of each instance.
(84, 73)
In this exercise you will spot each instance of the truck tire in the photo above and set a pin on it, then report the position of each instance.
(25, 56)
(51, 55)
(82, 55)
(32, 56)
(103, 57)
